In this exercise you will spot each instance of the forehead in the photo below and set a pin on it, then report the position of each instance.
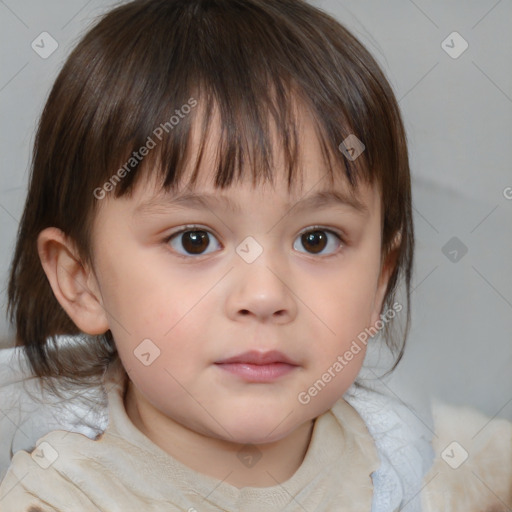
(245, 202)
(317, 178)
(232, 198)
(316, 191)
(311, 179)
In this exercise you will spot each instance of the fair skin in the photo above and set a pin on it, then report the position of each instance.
(198, 309)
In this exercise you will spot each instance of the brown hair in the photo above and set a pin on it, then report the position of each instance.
(132, 72)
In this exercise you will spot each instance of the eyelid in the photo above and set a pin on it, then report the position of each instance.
(197, 227)
(189, 227)
(336, 231)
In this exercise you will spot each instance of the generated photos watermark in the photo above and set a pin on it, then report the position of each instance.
(137, 156)
(304, 397)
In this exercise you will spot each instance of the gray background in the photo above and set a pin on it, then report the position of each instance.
(458, 115)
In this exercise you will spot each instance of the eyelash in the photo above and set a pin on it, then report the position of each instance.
(195, 227)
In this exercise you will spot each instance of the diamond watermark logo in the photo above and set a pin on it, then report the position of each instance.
(454, 249)
(352, 147)
(454, 455)
(147, 352)
(249, 249)
(249, 455)
(44, 45)
(454, 45)
(45, 455)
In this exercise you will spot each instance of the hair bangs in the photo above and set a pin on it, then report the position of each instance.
(253, 99)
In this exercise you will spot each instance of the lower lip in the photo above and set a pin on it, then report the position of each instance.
(258, 372)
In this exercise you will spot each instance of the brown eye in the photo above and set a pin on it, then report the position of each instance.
(195, 242)
(192, 242)
(315, 241)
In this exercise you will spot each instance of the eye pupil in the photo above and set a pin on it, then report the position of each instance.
(195, 242)
(316, 240)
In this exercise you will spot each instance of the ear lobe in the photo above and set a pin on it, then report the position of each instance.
(73, 285)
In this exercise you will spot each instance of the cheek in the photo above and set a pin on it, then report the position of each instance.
(342, 304)
(143, 296)
(345, 302)
(163, 361)
(171, 335)
(153, 321)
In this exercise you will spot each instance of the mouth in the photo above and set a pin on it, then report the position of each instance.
(256, 366)
(259, 358)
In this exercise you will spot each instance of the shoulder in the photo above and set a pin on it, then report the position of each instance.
(67, 471)
(70, 471)
(29, 412)
(36, 481)
(402, 435)
(472, 470)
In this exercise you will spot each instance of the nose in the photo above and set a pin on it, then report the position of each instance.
(261, 291)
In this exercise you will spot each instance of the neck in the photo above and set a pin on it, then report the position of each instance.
(263, 465)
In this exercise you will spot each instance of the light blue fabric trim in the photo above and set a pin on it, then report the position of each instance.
(404, 445)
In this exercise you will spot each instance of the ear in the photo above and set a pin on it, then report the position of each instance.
(74, 286)
(387, 268)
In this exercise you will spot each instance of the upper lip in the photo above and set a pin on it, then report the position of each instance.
(261, 358)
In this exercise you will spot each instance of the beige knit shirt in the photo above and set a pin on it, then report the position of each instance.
(125, 471)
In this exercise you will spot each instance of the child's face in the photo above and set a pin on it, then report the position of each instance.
(202, 300)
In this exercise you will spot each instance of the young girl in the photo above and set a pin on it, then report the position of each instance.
(220, 210)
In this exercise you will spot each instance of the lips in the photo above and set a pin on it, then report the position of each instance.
(259, 358)
(258, 367)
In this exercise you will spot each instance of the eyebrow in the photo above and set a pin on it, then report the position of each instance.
(192, 200)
